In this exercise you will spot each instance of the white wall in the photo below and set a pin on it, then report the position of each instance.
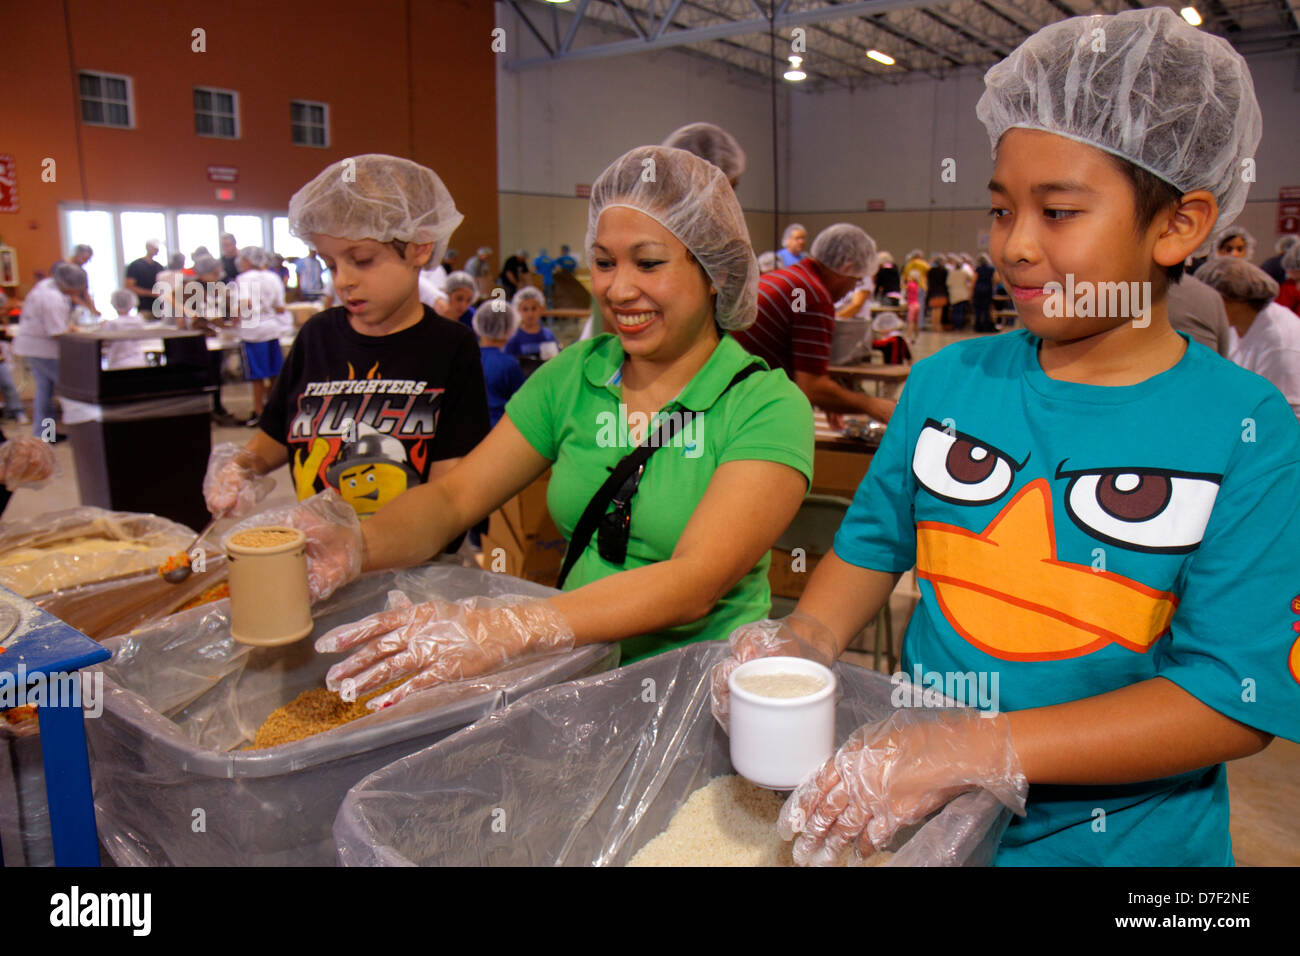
(561, 125)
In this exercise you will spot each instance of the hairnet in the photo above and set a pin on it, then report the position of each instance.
(377, 197)
(495, 319)
(176, 261)
(767, 261)
(691, 198)
(81, 249)
(254, 256)
(124, 300)
(1286, 242)
(69, 276)
(1176, 101)
(484, 251)
(789, 230)
(846, 249)
(205, 264)
(200, 252)
(1291, 258)
(459, 280)
(915, 254)
(712, 143)
(885, 257)
(527, 293)
(1235, 278)
(1223, 235)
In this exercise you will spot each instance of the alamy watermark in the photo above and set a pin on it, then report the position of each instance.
(59, 689)
(615, 429)
(924, 688)
(1085, 300)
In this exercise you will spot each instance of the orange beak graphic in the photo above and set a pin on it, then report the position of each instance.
(1005, 592)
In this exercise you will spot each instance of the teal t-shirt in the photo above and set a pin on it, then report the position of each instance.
(569, 410)
(1073, 539)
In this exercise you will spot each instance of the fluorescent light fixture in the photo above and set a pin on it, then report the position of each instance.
(879, 57)
(1191, 16)
(794, 74)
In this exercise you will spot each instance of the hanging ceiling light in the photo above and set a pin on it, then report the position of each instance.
(879, 57)
(794, 74)
(1191, 15)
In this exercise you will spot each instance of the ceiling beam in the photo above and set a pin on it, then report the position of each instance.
(716, 31)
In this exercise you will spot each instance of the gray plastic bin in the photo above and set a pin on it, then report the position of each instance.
(181, 696)
(589, 772)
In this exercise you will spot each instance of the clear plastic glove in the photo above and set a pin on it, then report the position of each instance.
(439, 641)
(798, 635)
(236, 480)
(894, 773)
(335, 548)
(25, 460)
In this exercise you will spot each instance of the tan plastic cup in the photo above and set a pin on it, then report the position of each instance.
(270, 603)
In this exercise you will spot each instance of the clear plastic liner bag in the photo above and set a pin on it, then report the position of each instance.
(182, 700)
(587, 773)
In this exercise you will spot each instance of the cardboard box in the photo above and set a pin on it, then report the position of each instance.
(838, 472)
(526, 512)
(783, 579)
(538, 558)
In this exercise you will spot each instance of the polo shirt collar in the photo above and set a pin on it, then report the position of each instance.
(603, 368)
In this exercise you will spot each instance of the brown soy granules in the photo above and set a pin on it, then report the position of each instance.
(263, 538)
(311, 712)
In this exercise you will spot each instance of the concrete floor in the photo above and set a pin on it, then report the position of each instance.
(1265, 788)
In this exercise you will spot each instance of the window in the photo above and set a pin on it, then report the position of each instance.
(194, 229)
(106, 99)
(247, 230)
(309, 122)
(94, 227)
(216, 112)
(282, 242)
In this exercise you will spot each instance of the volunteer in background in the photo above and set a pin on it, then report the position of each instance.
(685, 556)
(47, 312)
(260, 294)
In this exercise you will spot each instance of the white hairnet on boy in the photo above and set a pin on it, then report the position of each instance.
(1235, 278)
(495, 319)
(712, 143)
(377, 197)
(846, 249)
(1143, 85)
(124, 300)
(692, 199)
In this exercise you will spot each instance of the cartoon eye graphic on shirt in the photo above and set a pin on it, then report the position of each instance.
(957, 467)
(1142, 509)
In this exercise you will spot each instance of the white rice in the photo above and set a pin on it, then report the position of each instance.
(781, 684)
(729, 822)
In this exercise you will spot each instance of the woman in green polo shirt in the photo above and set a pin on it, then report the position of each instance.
(672, 265)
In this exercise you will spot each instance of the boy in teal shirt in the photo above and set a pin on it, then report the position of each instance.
(1104, 516)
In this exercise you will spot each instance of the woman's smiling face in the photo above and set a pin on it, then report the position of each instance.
(649, 286)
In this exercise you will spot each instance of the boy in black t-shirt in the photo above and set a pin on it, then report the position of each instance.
(378, 394)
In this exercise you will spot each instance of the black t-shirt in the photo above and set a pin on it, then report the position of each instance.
(368, 415)
(145, 273)
(229, 269)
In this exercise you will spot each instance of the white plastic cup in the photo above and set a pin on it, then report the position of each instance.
(778, 741)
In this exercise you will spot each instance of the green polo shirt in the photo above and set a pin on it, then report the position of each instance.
(569, 410)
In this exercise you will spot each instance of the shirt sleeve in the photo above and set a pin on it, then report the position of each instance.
(1282, 368)
(879, 530)
(536, 408)
(463, 419)
(1234, 640)
(274, 419)
(775, 423)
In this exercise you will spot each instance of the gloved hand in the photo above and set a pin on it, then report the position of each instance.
(335, 548)
(236, 480)
(25, 460)
(439, 641)
(798, 635)
(894, 773)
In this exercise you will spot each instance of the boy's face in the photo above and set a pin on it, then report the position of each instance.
(648, 286)
(1233, 246)
(1063, 209)
(372, 281)
(530, 314)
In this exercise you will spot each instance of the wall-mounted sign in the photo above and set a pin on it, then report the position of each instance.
(582, 190)
(223, 174)
(875, 205)
(8, 266)
(8, 183)
(1288, 210)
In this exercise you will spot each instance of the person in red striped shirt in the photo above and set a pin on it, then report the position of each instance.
(796, 319)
